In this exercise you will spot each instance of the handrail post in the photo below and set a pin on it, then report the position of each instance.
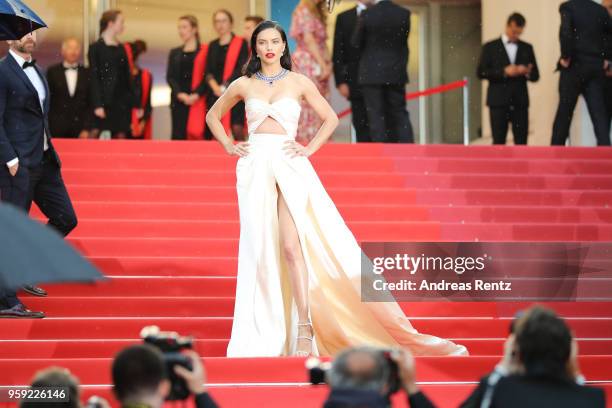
(466, 112)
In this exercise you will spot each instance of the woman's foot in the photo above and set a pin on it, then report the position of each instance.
(303, 347)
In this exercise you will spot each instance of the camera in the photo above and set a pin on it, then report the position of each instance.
(317, 371)
(171, 345)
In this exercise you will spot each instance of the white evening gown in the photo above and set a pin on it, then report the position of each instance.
(265, 315)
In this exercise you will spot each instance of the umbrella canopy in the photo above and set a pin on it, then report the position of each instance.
(17, 19)
(32, 253)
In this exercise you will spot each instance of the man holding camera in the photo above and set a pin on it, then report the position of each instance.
(367, 377)
(141, 378)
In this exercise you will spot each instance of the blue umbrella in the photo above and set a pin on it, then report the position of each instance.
(17, 20)
(32, 253)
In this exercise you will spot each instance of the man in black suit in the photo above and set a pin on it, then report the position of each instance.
(508, 63)
(71, 110)
(585, 29)
(382, 35)
(346, 65)
(539, 368)
(31, 170)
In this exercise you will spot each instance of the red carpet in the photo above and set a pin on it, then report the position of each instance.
(161, 220)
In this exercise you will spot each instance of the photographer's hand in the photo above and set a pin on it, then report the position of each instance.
(407, 372)
(510, 363)
(195, 379)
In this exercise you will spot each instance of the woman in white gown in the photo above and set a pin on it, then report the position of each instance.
(298, 285)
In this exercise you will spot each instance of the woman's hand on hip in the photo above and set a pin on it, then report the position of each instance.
(238, 149)
(295, 149)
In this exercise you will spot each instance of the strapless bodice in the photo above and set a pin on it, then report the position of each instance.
(286, 111)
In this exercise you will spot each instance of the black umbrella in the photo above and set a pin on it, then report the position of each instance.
(17, 20)
(32, 253)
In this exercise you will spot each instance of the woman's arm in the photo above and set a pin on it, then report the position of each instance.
(320, 105)
(231, 96)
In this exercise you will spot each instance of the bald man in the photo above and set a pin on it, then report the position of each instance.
(71, 110)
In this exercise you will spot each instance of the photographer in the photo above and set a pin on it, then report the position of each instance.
(539, 368)
(367, 377)
(54, 377)
(141, 379)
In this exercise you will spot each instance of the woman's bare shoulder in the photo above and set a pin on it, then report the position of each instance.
(240, 85)
(299, 78)
(303, 82)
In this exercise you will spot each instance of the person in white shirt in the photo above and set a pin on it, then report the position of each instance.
(71, 111)
(31, 170)
(508, 63)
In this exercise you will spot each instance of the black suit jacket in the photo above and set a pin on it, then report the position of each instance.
(585, 31)
(173, 75)
(382, 35)
(538, 392)
(346, 56)
(342, 398)
(69, 114)
(22, 121)
(215, 59)
(504, 91)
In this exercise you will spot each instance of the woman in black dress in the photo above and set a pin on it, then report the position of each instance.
(185, 76)
(111, 83)
(227, 55)
(142, 120)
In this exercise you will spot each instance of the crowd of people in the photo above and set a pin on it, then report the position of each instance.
(112, 98)
(539, 368)
(585, 66)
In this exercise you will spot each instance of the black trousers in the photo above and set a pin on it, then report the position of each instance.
(42, 184)
(180, 116)
(501, 116)
(608, 96)
(386, 108)
(67, 131)
(359, 114)
(587, 80)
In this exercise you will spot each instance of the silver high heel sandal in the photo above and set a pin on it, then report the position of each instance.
(301, 353)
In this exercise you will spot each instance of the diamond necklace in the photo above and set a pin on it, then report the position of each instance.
(271, 79)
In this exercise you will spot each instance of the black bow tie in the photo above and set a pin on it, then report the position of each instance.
(29, 64)
(74, 67)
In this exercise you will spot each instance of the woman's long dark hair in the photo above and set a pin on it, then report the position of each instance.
(254, 63)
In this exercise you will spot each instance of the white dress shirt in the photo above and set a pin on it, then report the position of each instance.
(40, 89)
(511, 48)
(360, 7)
(72, 75)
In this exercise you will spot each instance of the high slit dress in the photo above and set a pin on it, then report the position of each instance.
(265, 314)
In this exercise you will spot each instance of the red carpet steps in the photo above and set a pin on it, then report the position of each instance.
(161, 220)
